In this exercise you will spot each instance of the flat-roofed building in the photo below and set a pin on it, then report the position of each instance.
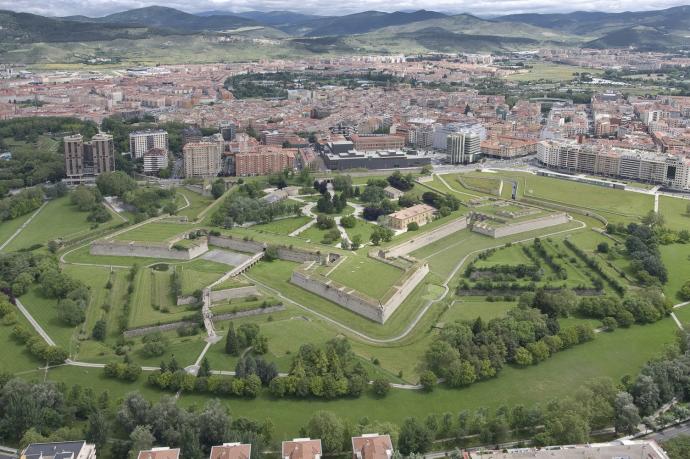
(301, 448)
(154, 160)
(161, 452)
(620, 449)
(377, 142)
(59, 450)
(202, 159)
(266, 160)
(86, 160)
(419, 214)
(463, 147)
(382, 159)
(372, 446)
(142, 141)
(231, 451)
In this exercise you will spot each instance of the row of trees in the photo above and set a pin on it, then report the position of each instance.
(245, 205)
(21, 203)
(466, 352)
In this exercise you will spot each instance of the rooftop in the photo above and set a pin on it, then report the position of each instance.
(412, 211)
(302, 448)
(160, 453)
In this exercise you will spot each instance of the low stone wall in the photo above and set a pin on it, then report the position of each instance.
(404, 291)
(521, 227)
(232, 293)
(156, 328)
(250, 313)
(284, 253)
(356, 302)
(425, 239)
(344, 296)
(142, 249)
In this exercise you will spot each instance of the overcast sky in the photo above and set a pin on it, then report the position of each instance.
(336, 7)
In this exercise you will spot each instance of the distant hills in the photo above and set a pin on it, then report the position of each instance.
(368, 31)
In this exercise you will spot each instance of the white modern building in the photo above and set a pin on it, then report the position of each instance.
(154, 160)
(142, 141)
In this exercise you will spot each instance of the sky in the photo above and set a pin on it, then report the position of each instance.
(97, 8)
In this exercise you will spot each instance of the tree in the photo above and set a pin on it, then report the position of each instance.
(603, 247)
(218, 188)
(523, 357)
(678, 447)
(326, 426)
(83, 198)
(204, 368)
(428, 380)
(461, 373)
(414, 226)
(71, 312)
(232, 343)
(99, 330)
(356, 242)
(142, 439)
(214, 424)
(685, 291)
(415, 437)
(627, 416)
(98, 428)
(381, 387)
(115, 183)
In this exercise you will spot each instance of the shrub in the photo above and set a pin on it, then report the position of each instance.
(380, 387)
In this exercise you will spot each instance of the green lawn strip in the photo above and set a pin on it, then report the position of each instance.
(366, 275)
(314, 235)
(363, 229)
(9, 227)
(348, 210)
(675, 212)
(116, 299)
(94, 378)
(82, 255)
(283, 226)
(197, 203)
(610, 354)
(676, 257)
(96, 279)
(154, 232)
(683, 315)
(58, 219)
(45, 311)
(142, 311)
(15, 357)
(550, 71)
(276, 239)
(469, 308)
(199, 274)
(232, 282)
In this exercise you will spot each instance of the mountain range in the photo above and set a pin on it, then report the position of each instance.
(368, 31)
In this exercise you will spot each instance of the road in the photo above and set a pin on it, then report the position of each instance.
(34, 324)
(669, 433)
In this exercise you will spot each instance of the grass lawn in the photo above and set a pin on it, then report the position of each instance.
(8, 227)
(366, 275)
(489, 185)
(315, 235)
(82, 255)
(142, 306)
(199, 274)
(610, 354)
(44, 310)
(154, 232)
(675, 212)
(96, 279)
(283, 226)
(197, 203)
(363, 229)
(16, 358)
(676, 257)
(473, 307)
(58, 219)
(550, 71)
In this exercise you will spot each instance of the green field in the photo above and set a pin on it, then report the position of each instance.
(550, 71)
(9, 227)
(676, 257)
(469, 308)
(283, 226)
(197, 203)
(366, 275)
(58, 219)
(675, 212)
(154, 232)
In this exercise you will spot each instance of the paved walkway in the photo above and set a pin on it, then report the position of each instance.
(35, 324)
(24, 225)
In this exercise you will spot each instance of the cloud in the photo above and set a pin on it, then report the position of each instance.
(478, 7)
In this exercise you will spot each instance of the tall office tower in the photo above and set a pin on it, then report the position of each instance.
(86, 160)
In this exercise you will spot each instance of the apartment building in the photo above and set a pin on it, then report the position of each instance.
(155, 159)
(463, 147)
(265, 160)
(86, 160)
(377, 142)
(142, 141)
(202, 159)
(672, 171)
